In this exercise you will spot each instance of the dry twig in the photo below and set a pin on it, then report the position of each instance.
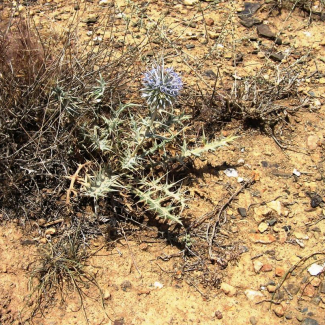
(73, 178)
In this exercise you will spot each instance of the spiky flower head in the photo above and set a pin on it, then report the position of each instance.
(161, 86)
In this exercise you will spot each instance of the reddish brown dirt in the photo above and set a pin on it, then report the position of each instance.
(127, 273)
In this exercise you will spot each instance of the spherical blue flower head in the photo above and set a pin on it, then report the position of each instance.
(161, 86)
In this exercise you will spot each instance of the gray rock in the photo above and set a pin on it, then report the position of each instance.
(242, 212)
(190, 46)
(322, 16)
(309, 321)
(250, 9)
(249, 21)
(315, 300)
(271, 222)
(277, 57)
(265, 31)
(292, 288)
(126, 285)
(210, 73)
(315, 201)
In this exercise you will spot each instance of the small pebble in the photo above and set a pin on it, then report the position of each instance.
(309, 321)
(257, 266)
(126, 285)
(322, 287)
(242, 212)
(209, 22)
(299, 318)
(279, 272)
(218, 314)
(190, 2)
(271, 288)
(315, 282)
(119, 321)
(262, 227)
(312, 142)
(107, 295)
(279, 311)
(271, 222)
(104, 2)
(277, 57)
(228, 289)
(266, 268)
(308, 290)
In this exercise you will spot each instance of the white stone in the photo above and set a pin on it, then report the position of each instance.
(316, 269)
(104, 2)
(158, 285)
(253, 295)
(231, 172)
(296, 172)
(190, 2)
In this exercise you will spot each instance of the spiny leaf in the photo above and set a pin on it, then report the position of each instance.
(156, 187)
(100, 184)
(99, 140)
(208, 146)
(164, 212)
(129, 162)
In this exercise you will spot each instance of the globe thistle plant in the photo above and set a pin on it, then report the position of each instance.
(135, 146)
(161, 86)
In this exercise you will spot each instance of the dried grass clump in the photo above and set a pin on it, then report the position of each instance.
(315, 8)
(48, 91)
(262, 101)
(60, 271)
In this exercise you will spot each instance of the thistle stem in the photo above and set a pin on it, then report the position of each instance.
(153, 118)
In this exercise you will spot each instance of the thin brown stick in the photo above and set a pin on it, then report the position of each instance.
(73, 178)
(210, 241)
(269, 300)
(54, 222)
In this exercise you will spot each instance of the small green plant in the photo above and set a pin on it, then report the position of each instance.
(187, 240)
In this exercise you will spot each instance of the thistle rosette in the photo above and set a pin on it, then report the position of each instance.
(161, 86)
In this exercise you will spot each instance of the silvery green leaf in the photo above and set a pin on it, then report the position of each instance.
(100, 184)
(154, 204)
(208, 146)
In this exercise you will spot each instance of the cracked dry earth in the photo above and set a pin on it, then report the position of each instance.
(279, 219)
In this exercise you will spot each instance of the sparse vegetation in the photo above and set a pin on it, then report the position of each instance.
(61, 270)
(103, 133)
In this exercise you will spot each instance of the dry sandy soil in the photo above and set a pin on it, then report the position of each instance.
(144, 280)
